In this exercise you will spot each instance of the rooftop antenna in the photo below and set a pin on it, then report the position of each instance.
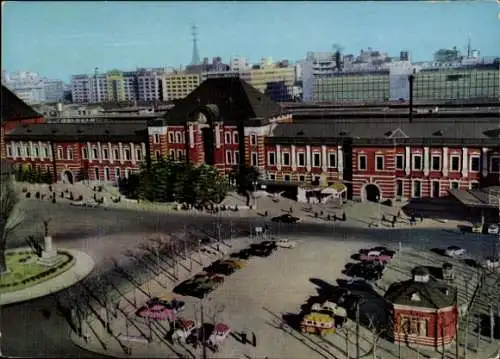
(468, 47)
(196, 54)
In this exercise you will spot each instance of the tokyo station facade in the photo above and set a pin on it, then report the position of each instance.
(225, 123)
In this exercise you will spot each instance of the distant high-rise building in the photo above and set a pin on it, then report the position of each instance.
(54, 90)
(404, 56)
(28, 86)
(238, 63)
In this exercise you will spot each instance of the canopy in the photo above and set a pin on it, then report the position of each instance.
(337, 187)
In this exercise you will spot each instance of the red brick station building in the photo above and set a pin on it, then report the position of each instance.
(225, 121)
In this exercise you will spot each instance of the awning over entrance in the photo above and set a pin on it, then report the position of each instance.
(477, 198)
(337, 187)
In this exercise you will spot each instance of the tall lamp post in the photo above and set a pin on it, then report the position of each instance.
(379, 212)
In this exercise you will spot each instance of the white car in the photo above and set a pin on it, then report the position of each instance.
(454, 251)
(492, 263)
(209, 250)
(493, 229)
(285, 243)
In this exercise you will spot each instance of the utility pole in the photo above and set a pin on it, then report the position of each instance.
(347, 342)
(357, 331)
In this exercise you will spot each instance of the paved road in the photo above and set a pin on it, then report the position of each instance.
(104, 234)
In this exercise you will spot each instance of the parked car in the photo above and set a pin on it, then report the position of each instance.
(286, 218)
(209, 250)
(184, 329)
(173, 304)
(261, 251)
(243, 254)
(218, 336)
(285, 243)
(375, 256)
(209, 276)
(477, 228)
(157, 312)
(454, 251)
(493, 228)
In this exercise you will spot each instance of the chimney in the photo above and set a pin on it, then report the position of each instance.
(410, 109)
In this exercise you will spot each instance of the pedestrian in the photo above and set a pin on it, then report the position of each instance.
(254, 340)
(421, 217)
(399, 214)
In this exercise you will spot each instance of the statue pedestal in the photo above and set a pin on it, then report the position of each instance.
(49, 255)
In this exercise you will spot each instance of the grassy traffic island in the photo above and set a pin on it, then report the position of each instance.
(24, 269)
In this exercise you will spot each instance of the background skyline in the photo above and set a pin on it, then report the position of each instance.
(61, 39)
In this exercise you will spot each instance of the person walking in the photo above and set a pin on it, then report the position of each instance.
(254, 340)
(243, 335)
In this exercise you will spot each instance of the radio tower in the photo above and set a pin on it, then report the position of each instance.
(196, 54)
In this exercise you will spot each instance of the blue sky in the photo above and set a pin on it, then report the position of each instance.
(58, 39)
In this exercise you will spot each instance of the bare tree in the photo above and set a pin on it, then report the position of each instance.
(10, 218)
(376, 330)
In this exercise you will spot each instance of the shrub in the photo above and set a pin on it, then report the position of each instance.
(62, 195)
(80, 198)
(37, 195)
(344, 217)
(66, 190)
(53, 199)
(266, 213)
(25, 189)
(236, 209)
(315, 214)
(71, 196)
(50, 188)
(28, 194)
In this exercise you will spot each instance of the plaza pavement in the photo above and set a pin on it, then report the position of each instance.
(79, 270)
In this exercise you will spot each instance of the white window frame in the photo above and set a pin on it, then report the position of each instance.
(376, 162)
(440, 163)
(180, 155)
(253, 139)
(330, 154)
(283, 159)
(236, 157)
(236, 138)
(302, 178)
(413, 187)
(95, 153)
(69, 153)
(285, 178)
(127, 172)
(229, 157)
(413, 167)
(254, 155)
(178, 137)
(116, 154)
(59, 153)
(19, 152)
(107, 174)
(452, 182)
(156, 138)
(85, 153)
(490, 167)
(46, 152)
(36, 152)
(125, 152)
(171, 137)
(97, 174)
(273, 155)
(227, 138)
(451, 163)
(303, 154)
(473, 182)
(171, 154)
(9, 151)
(138, 154)
(272, 177)
(105, 154)
(359, 162)
(118, 173)
(313, 155)
(470, 163)
(28, 151)
(399, 155)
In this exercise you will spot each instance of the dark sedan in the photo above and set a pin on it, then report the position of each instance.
(285, 218)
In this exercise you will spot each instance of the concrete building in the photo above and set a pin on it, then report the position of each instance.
(54, 90)
(28, 86)
(238, 64)
(179, 85)
(273, 80)
(150, 85)
(244, 75)
(115, 86)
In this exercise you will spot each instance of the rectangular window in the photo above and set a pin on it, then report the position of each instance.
(302, 178)
(417, 162)
(127, 154)
(475, 163)
(171, 155)
(180, 155)
(271, 158)
(117, 173)
(138, 154)
(178, 136)
(254, 159)
(286, 178)
(236, 138)
(171, 138)
(379, 162)
(417, 189)
(229, 157)
(455, 163)
(59, 153)
(46, 152)
(156, 138)
(301, 159)
(286, 159)
(105, 153)
(332, 160)
(37, 151)
(96, 173)
(19, 152)
(106, 174)
(28, 152)
(253, 140)
(158, 155)
(436, 163)
(228, 138)
(69, 153)
(9, 151)
(362, 163)
(94, 153)
(474, 185)
(400, 162)
(316, 159)
(236, 157)
(85, 153)
(495, 164)
(454, 185)
(272, 177)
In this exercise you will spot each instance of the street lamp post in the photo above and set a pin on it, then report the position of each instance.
(379, 212)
